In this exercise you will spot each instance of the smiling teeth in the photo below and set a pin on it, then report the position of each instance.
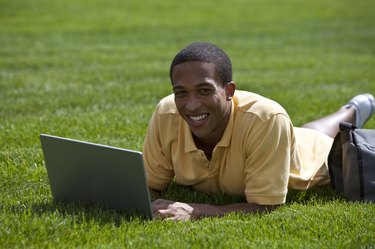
(198, 118)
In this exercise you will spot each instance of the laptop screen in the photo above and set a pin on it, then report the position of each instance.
(86, 172)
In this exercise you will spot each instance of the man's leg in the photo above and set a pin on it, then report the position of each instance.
(357, 111)
(329, 125)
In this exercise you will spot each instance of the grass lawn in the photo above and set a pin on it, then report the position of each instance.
(94, 70)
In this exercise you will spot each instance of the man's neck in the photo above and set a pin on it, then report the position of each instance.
(206, 148)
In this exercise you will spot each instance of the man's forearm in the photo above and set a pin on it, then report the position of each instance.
(206, 210)
(172, 210)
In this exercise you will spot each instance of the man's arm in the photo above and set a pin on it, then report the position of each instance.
(179, 211)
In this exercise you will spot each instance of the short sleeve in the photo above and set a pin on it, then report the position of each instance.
(268, 149)
(158, 165)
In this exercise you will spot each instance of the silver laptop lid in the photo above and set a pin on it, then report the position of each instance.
(86, 172)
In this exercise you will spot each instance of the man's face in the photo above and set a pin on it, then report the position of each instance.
(201, 99)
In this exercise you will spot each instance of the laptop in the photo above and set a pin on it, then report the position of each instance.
(93, 173)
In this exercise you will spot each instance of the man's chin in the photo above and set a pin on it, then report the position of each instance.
(200, 136)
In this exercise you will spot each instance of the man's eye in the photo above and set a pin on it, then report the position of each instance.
(179, 94)
(205, 91)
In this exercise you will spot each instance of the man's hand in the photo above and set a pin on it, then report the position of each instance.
(170, 210)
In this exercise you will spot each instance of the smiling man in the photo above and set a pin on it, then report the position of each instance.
(202, 101)
(217, 139)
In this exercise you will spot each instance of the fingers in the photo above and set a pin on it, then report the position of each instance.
(160, 204)
(162, 214)
(160, 209)
(169, 215)
(169, 210)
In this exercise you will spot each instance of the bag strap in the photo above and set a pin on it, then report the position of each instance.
(345, 126)
(349, 131)
(348, 135)
(335, 163)
(335, 155)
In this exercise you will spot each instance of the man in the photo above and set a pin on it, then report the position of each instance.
(219, 140)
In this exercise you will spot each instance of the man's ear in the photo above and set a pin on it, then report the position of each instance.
(230, 88)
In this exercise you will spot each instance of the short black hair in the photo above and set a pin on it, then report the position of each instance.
(205, 52)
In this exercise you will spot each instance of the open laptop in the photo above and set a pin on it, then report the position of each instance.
(93, 173)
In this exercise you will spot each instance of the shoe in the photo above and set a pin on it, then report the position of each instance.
(365, 107)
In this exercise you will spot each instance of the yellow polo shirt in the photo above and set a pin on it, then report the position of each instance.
(259, 155)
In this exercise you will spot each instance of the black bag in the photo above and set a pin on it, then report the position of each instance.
(351, 163)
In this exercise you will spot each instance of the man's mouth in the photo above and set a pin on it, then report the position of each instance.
(197, 118)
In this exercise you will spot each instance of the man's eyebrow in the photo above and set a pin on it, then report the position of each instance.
(200, 85)
(178, 88)
(204, 84)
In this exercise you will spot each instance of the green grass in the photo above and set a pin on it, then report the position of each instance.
(94, 70)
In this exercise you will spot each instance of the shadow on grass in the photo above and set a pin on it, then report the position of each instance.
(81, 212)
(181, 193)
(320, 194)
(85, 212)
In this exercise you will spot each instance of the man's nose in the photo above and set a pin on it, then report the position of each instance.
(193, 103)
